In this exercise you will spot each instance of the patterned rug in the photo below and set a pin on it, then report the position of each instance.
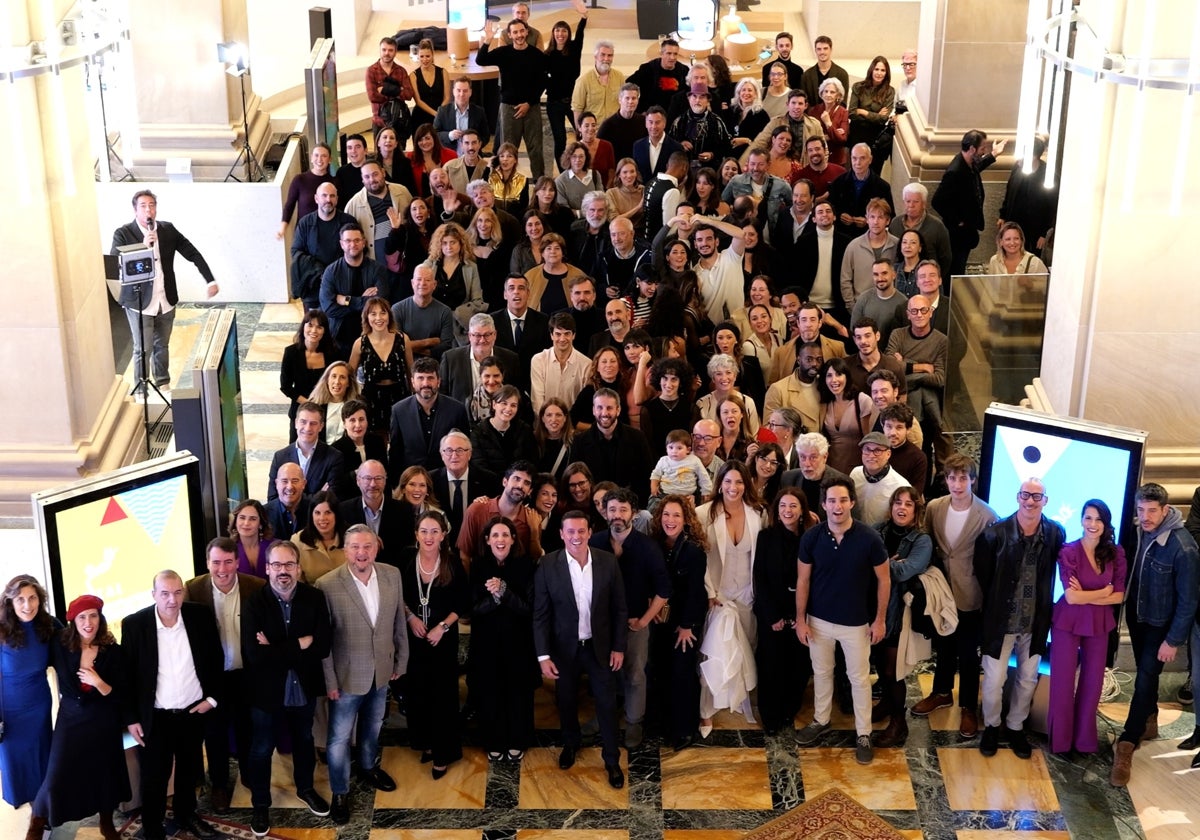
(831, 816)
(132, 830)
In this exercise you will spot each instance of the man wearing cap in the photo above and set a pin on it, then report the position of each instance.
(875, 480)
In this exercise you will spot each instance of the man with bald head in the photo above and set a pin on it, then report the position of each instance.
(174, 661)
(1016, 562)
(377, 510)
(706, 437)
(287, 513)
(427, 323)
(315, 245)
(621, 257)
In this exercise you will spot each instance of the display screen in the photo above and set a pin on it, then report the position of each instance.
(469, 13)
(229, 386)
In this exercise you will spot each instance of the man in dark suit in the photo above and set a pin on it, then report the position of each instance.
(321, 463)
(517, 317)
(458, 115)
(288, 512)
(419, 422)
(224, 591)
(173, 661)
(851, 191)
(469, 482)
(459, 370)
(376, 508)
(565, 649)
(959, 196)
(152, 317)
(652, 152)
(285, 636)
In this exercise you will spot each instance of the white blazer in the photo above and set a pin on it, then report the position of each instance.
(734, 583)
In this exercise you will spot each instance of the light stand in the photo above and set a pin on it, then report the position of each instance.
(235, 55)
(144, 384)
(113, 156)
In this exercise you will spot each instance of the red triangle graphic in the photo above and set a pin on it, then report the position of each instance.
(113, 513)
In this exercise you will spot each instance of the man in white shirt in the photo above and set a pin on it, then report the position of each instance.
(907, 91)
(222, 590)
(560, 371)
(720, 272)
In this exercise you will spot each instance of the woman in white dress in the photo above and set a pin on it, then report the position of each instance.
(732, 520)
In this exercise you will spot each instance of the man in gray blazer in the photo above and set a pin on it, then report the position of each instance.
(954, 521)
(567, 646)
(370, 648)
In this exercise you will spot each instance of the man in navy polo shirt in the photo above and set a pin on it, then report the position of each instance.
(843, 564)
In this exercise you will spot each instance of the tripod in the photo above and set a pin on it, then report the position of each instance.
(113, 156)
(144, 384)
(254, 170)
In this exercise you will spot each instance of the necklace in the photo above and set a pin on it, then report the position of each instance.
(424, 590)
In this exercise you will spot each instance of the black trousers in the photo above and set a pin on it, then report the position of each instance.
(958, 653)
(784, 669)
(232, 716)
(675, 683)
(174, 739)
(566, 694)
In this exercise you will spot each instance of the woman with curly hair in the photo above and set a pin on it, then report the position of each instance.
(250, 529)
(26, 632)
(509, 185)
(384, 361)
(671, 407)
(86, 772)
(677, 631)
(606, 372)
(783, 663)
(336, 386)
(311, 351)
(732, 521)
(453, 263)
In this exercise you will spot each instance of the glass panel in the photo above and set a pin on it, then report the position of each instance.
(995, 331)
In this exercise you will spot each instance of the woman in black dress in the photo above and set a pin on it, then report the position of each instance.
(383, 361)
(304, 360)
(501, 439)
(543, 498)
(677, 633)
(436, 595)
(453, 262)
(407, 245)
(86, 774)
(431, 88)
(783, 663)
(493, 255)
(502, 656)
(745, 117)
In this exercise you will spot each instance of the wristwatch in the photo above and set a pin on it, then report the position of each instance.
(445, 627)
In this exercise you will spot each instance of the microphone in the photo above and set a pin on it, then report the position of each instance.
(150, 224)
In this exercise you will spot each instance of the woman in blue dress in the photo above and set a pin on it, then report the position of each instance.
(26, 630)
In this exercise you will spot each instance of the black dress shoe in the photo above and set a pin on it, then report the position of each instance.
(339, 810)
(990, 741)
(682, 743)
(566, 758)
(197, 827)
(378, 779)
(1019, 743)
(616, 778)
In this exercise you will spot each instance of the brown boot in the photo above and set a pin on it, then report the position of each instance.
(896, 733)
(1151, 727)
(1122, 764)
(107, 830)
(37, 827)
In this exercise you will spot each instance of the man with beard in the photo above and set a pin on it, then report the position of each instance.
(852, 191)
(612, 450)
(706, 437)
(647, 588)
(799, 391)
(907, 458)
(383, 69)
(377, 510)
(770, 193)
(598, 88)
(288, 511)
(589, 320)
(802, 126)
(659, 79)
(621, 257)
(370, 205)
(589, 235)
(819, 170)
(522, 81)
(812, 450)
(804, 326)
(420, 421)
(924, 352)
(569, 640)
(285, 635)
(514, 489)
(469, 165)
(348, 281)
(619, 316)
(883, 304)
(315, 244)
(699, 129)
(349, 175)
(783, 49)
(869, 358)
(447, 203)
(722, 283)
(627, 126)
(959, 196)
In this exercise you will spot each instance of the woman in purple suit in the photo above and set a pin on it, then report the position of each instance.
(1092, 570)
(249, 528)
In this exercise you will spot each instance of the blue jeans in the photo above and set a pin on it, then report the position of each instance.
(298, 720)
(156, 331)
(370, 709)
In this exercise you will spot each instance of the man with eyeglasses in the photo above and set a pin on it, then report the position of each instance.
(369, 648)
(706, 437)
(875, 480)
(377, 510)
(923, 351)
(285, 635)
(456, 483)
(907, 91)
(460, 367)
(1016, 561)
(514, 488)
(222, 590)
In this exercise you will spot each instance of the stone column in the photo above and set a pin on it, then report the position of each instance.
(1122, 331)
(63, 412)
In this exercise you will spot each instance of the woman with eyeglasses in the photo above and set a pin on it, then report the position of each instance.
(786, 424)
(436, 594)
(575, 493)
(784, 667)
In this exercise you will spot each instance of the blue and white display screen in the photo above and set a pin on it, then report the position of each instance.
(469, 13)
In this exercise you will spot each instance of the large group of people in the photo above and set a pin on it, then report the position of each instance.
(671, 420)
